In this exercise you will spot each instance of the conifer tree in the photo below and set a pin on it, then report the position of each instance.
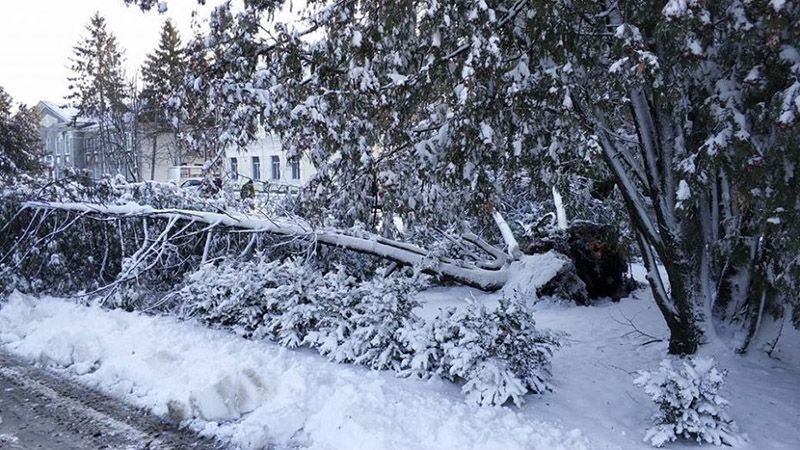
(162, 73)
(20, 145)
(162, 76)
(691, 107)
(99, 90)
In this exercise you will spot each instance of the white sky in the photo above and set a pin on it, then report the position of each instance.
(37, 36)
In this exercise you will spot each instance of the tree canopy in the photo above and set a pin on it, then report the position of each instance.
(20, 144)
(691, 107)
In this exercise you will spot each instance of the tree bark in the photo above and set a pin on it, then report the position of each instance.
(153, 157)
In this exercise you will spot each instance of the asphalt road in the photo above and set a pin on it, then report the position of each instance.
(39, 410)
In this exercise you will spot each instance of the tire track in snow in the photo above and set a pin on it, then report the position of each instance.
(40, 410)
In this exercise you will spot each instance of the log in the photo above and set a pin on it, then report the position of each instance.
(471, 274)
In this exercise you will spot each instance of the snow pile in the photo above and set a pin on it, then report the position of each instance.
(689, 402)
(255, 394)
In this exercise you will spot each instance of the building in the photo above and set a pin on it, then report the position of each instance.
(62, 138)
(155, 155)
(78, 143)
(163, 159)
(264, 162)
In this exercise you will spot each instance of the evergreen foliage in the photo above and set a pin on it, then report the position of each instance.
(20, 144)
(163, 75)
(104, 97)
(428, 110)
(689, 403)
(498, 353)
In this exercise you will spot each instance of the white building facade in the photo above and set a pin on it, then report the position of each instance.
(76, 143)
(264, 162)
(158, 156)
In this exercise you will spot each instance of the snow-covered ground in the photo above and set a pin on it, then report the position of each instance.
(253, 393)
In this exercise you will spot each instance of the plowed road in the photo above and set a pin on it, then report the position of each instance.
(39, 410)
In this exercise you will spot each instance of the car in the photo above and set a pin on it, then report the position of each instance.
(192, 183)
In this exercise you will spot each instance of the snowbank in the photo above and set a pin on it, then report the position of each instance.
(256, 393)
(251, 393)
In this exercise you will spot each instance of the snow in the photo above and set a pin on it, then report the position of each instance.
(487, 133)
(694, 47)
(561, 212)
(677, 8)
(777, 5)
(252, 393)
(255, 393)
(398, 79)
(66, 112)
(617, 65)
(356, 40)
(531, 272)
(684, 192)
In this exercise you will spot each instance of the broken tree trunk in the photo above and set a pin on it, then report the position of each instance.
(488, 275)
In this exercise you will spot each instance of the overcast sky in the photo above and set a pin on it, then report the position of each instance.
(37, 36)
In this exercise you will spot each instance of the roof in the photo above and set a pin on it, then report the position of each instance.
(65, 113)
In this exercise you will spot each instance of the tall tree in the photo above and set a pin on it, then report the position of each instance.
(691, 107)
(163, 73)
(99, 90)
(163, 76)
(20, 144)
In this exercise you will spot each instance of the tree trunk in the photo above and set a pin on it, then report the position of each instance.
(488, 275)
(678, 305)
(153, 157)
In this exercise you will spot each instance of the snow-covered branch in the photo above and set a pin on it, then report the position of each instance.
(488, 276)
(512, 246)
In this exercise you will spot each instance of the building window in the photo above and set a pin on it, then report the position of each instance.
(256, 168)
(234, 169)
(276, 167)
(295, 163)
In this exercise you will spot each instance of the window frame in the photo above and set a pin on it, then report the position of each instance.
(275, 167)
(234, 168)
(295, 166)
(255, 162)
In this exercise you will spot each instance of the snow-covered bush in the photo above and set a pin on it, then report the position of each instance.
(366, 322)
(336, 325)
(241, 294)
(498, 353)
(293, 303)
(293, 307)
(689, 403)
(381, 312)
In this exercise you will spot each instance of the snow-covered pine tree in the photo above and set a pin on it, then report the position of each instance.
(689, 403)
(424, 108)
(498, 354)
(162, 78)
(382, 315)
(99, 90)
(20, 144)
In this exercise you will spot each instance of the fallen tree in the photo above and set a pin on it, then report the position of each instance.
(489, 268)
